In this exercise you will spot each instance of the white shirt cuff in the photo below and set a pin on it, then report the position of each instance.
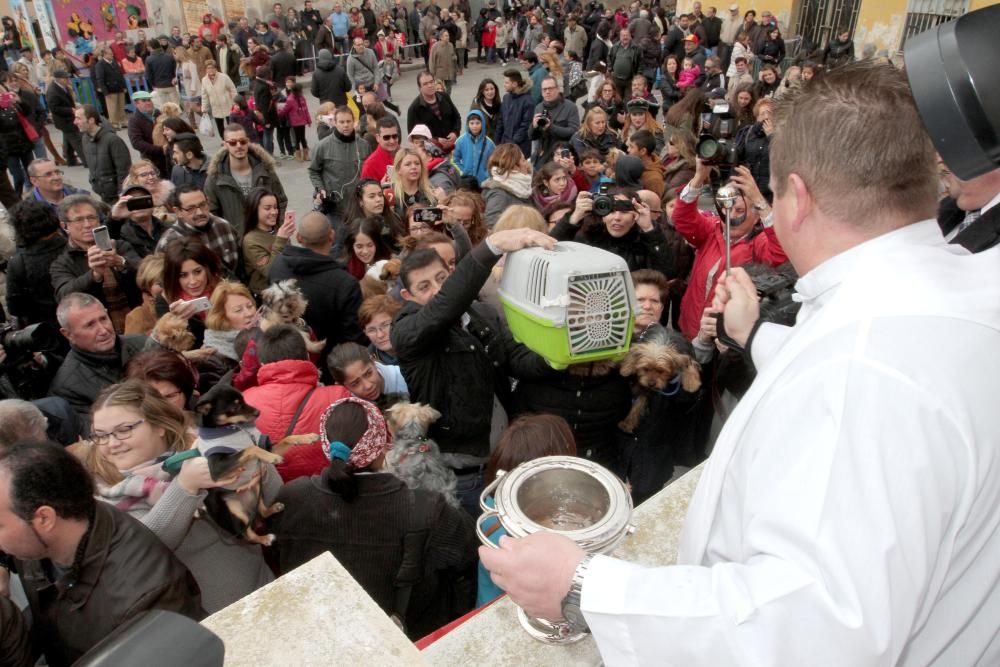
(689, 195)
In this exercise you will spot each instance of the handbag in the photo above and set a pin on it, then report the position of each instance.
(28, 128)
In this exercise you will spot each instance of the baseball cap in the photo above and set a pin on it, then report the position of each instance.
(421, 131)
(141, 95)
(691, 38)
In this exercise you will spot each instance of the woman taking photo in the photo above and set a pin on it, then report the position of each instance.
(595, 134)
(352, 366)
(465, 209)
(218, 92)
(509, 183)
(375, 318)
(357, 495)
(134, 430)
(370, 201)
(609, 102)
(686, 114)
(265, 238)
(190, 270)
(411, 183)
(551, 184)
(364, 246)
(487, 100)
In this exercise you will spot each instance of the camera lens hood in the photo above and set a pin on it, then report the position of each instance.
(952, 73)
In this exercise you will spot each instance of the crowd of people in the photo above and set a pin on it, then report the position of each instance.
(183, 272)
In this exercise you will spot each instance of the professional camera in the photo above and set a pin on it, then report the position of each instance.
(544, 118)
(21, 344)
(605, 204)
(20, 375)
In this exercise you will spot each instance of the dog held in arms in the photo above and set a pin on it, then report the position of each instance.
(415, 458)
(657, 362)
(229, 440)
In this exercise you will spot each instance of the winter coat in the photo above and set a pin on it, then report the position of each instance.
(108, 77)
(61, 106)
(602, 143)
(108, 162)
(265, 101)
(224, 195)
(420, 114)
(590, 398)
(259, 250)
(704, 233)
(330, 82)
(753, 150)
(838, 53)
(564, 121)
(217, 96)
(459, 369)
(83, 375)
(575, 40)
(537, 73)
(282, 65)
(497, 199)
(491, 118)
(442, 61)
(367, 535)
(140, 135)
(281, 388)
(30, 295)
(125, 571)
(336, 164)
(333, 296)
(639, 249)
(295, 112)
(142, 242)
(70, 273)
(624, 61)
(472, 153)
(363, 69)
(463, 34)
(514, 124)
(599, 52)
(772, 51)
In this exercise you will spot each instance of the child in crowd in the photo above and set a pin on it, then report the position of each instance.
(324, 120)
(688, 77)
(590, 174)
(296, 113)
(242, 114)
(473, 149)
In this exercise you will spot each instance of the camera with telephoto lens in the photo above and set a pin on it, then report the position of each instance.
(715, 146)
(21, 344)
(543, 118)
(605, 204)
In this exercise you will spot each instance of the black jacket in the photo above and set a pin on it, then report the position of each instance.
(140, 135)
(713, 31)
(591, 398)
(161, 70)
(142, 242)
(333, 294)
(108, 77)
(83, 375)
(71, 273)
(564, 121)
(640, 250)
(754, 153)
(267, 104)
(981, 235)
(61, 105)
(458, 370)
(282, 66)
(108, 161)
(30, 295)
(421, 114)
(125, 571)
(330, 82)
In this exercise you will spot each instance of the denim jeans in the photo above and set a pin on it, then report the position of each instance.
(468, 489)
(267, 139)
(491, 55)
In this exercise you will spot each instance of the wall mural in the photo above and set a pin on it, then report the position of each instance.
(82, 23)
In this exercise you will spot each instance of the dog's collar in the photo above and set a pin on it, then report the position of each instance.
(422, 448)
(675, 382)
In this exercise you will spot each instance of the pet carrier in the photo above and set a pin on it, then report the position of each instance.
(572, 304)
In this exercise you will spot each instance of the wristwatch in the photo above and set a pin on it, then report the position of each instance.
(571, 603)
(761, 205)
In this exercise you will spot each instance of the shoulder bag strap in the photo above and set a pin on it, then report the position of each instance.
(295, 417)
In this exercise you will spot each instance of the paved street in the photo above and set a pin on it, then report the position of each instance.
(293, 174)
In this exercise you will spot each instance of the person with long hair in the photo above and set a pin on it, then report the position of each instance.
(466, 209)
(669, 91)
(170, 374)
(679, 160)
(640, 118)
(296, 112)
(265, 236)
(509, 183)
(356, 494)
(611, 103)
(134, 430)
(772, 51)
(768, 82)
(686, 114)
(487, 100)
(352, 366)
(369, 200)
(190, 270)
(528, 437)
(552, 184)
(364, 246)
(411, 182)
(594, 133)
(551, 64)
(741, 104)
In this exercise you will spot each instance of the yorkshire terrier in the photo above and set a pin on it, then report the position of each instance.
(664, 357)
(284, 303)
(415, 458)
(172, 333)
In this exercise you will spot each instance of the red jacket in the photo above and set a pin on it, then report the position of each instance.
(281, 387)
(375, 164)
(489, 38)
(704, 232)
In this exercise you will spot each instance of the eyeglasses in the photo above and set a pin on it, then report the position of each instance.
(122, 432)
(83, 218)
(548, 88)
(203, 206)
(237, 142)
(50, 174)
(380, 329)
(144, 175)
(390, 137)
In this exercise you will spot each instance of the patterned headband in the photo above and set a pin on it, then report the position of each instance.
(373, 443)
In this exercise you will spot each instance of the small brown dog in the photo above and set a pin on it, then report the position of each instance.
(655, 363)
(284, 303)
(172, 333)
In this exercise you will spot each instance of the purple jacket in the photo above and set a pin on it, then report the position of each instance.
(295, 111)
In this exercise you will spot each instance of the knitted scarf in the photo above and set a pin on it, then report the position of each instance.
(142, 487)
(519, 184)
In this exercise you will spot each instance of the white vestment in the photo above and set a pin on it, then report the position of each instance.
(850, 512)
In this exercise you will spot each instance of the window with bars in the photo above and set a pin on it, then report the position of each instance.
(821, 20)
(923, 15)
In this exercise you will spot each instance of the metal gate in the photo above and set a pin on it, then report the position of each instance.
(819, 20)
(923, 15)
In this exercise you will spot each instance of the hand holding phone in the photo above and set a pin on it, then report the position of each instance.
(287, 227)
(199, 305)
(102, 238)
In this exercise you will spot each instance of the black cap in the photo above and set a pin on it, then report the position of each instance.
(636, 105)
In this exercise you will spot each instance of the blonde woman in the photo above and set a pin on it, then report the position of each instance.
(149, 280)
(168, 110)
(144, 173)
(639, 118)
(515, 217)
(233, 310)
(411, 183)
(595, 134)
(134, 430)
(217, 94)
(551, 63)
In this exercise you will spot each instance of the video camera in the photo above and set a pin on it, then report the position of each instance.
(716, 146)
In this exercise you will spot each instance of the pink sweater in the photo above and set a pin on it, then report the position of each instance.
(295, 111)
(688, 77)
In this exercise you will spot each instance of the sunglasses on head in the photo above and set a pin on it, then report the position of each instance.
(237, 142)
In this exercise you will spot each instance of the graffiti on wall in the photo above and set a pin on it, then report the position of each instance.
(82, 23)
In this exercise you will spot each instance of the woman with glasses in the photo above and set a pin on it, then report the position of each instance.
(350, 365)
(135, 430)
(145, 173)
(375, 318)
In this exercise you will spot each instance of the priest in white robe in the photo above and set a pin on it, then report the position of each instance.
(850, 511)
